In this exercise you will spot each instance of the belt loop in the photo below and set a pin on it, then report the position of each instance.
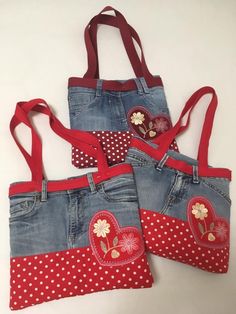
(144, 85)
(99, 88)
(139, 85)
(161, 163)
(91, 182)
(44, 192)
(195, 174)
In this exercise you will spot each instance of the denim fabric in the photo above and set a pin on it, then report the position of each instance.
(168, 191)
(61, 222)
(107, 110)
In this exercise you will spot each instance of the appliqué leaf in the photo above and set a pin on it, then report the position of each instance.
(201, 228)
(150, 124)
(103, 246)
(115, 241)
(115, 254)
(141, 130)
(212, 225)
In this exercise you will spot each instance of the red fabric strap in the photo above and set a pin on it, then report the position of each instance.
(71, 183)
(127, 32)
(166, 139)
(80, 139)
(180, 165)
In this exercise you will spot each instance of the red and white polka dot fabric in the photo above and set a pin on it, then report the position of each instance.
(172, 238)
(46, 277)
(114, 144)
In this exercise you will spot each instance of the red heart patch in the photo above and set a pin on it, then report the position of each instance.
(111, 244)
(146, 126)
(208, 229)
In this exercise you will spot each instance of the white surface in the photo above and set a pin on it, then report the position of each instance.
(190, 44)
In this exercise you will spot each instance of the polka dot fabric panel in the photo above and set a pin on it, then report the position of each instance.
(115, 145)
(172, 238)
(46, 277)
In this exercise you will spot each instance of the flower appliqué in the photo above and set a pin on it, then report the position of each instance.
(129, 243)
(101, 228)
(199, 211)
(111, 244)
(208, 228)
(221, 230)
(146, 126)
(137, 118)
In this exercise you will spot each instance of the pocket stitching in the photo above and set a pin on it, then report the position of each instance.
(153, 102)
(217, 190)
(110, 199)
(76, 109)
(24, 211)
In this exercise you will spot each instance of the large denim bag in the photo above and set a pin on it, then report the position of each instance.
(185, 204)
(115, 110)
(73, 236)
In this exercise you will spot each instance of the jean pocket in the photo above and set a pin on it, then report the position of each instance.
(219, 186)
(138, 161)
(120, 189)
(22, 206)
(81, 101)
(156, 101)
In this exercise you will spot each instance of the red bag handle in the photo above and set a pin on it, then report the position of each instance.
(127, 32)
(80, 139)
(112, 21)
(166, 138)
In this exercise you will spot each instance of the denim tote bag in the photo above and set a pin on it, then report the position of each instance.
(73, 236)
(115, 110)
(185, 203)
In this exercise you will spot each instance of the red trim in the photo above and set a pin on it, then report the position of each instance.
(179, 164)
(112, 85)
(75, 183)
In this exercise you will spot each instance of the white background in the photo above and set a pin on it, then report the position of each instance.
(190, 43)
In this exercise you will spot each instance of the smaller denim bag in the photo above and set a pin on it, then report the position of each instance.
(73, 236)
(115, 110)
(185, 203)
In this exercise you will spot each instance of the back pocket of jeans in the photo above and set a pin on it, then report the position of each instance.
(119, 189)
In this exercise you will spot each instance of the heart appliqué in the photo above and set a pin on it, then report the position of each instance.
(209, 230)
(146, 126)
(111, 244)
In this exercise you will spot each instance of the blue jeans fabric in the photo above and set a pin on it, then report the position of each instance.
(168, 191)
(96, 109)
(61, 222)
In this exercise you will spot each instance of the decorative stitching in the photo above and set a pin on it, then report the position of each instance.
(217, 190)
(147, 126)
(111, 244)
(208, 229)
